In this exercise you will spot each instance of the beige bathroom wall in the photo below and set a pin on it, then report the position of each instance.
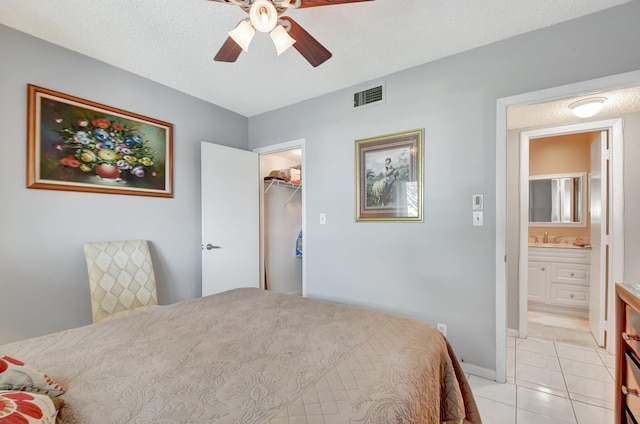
(560, 155)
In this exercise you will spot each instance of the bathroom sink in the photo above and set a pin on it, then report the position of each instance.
(544, 245)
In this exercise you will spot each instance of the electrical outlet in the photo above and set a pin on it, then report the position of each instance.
(442, 328)
(478, 219)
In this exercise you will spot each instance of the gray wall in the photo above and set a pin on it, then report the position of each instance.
(513, 228)
(441, 270)
(631, 197)
(43, 276)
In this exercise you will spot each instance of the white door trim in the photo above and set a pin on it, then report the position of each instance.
(274, 148)
(606, 83)
(523, 248)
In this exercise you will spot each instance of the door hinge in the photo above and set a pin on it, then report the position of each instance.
(607, 154)
(606, 240)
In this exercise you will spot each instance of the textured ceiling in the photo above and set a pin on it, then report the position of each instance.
(619, 102)
(173, 42)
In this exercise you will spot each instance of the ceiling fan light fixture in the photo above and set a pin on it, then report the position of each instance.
(587, 108)
(242, 34)
(263, 15)
(281, 39)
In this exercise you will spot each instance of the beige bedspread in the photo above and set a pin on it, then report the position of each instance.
(252, 356)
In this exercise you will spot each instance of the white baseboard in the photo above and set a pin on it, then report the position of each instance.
(512, 332)
(478, 371)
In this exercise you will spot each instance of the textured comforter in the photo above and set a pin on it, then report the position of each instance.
(252, 356)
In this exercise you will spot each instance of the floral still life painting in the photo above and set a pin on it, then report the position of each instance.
(78, 145)
(389, 177)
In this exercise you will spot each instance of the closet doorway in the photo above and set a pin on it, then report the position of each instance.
(234, 255)
(282, 217)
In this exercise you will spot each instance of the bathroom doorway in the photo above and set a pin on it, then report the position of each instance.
(566, 270)
(507, 261)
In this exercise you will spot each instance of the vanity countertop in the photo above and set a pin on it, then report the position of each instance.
(560, 246)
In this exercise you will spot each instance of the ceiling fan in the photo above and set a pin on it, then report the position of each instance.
(266, 16)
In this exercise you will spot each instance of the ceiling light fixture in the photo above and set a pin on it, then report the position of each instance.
(281, 39)
(266, 16)
(243, 34)
(586, 108)
(263, 15)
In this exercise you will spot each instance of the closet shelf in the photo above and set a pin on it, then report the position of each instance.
(281, 183)
(284, 184)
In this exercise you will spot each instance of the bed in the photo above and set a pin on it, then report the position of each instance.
(253, 356)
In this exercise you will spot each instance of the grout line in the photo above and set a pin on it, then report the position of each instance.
(563, 371)
(575, 416)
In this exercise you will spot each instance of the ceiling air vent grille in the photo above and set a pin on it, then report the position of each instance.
(369, 96)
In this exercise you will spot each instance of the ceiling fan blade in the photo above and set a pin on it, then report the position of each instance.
(307, 46)
(229, 51)
(314, 3)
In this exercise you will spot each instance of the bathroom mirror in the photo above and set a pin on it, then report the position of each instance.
(557, 200)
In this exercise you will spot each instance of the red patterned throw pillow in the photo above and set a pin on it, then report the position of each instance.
(16, 375)
(26, 408)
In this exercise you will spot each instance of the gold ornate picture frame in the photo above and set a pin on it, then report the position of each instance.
(75, 144)
(389, 177)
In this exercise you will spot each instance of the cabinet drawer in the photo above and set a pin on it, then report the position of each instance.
(570, 273)
(570, 295)
(632, 329)
(632, 384)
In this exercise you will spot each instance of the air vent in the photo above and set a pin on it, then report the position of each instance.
(369, 96)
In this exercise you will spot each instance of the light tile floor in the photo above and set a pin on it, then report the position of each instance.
(558, 375)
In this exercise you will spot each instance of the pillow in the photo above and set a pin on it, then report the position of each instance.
(16, 375)
(26, 408)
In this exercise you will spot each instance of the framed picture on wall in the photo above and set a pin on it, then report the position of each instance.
(75, 144)
(389, 177)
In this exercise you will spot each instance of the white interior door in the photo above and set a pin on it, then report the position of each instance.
(230, 218)
(598, 208)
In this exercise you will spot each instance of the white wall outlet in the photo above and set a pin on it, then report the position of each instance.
(478, 219)
(442, 328)
(323, 218)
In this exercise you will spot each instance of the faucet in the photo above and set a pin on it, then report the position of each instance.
(546, 238)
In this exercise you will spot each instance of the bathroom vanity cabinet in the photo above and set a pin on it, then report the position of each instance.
(558, 280)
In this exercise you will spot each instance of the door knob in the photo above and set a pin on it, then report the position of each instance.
(211, 246)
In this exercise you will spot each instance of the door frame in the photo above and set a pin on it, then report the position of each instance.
(275, 148)
(615, 215)
(502, 104)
